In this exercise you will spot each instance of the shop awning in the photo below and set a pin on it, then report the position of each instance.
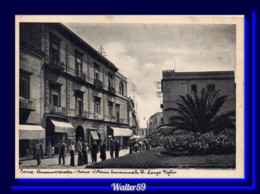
(121, 132)
(94, 135)
(62, 127)
(31, 132)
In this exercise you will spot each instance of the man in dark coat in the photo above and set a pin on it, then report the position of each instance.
(62, 152)
(117, 148)
(94, 151)
(112, 148)
(38, 152)
(79, 150)
(103, 148)
(85, 152)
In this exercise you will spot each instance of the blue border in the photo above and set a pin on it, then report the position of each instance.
(248, 183)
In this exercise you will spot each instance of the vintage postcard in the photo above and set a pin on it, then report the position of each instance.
(129, 96)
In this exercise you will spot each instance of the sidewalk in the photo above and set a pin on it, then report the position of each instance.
(52, 163)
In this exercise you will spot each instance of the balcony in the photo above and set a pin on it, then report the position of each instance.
(83, 114)
(57, 110)
(98, 84)
(98, 116)
(58, 67)
(81, 75)
(111, 90)
(27, 104)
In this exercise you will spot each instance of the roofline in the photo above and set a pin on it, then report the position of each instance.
(198, 72)
(84, 43)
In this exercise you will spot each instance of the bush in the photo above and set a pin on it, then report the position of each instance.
(200, 144)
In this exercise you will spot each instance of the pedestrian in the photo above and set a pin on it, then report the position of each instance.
(147, 145)
(62, 151)
(49, 150)
(117, 148)
(94, 151)
(52, 151)
(38, 152)
(85, 153)
(136, 147)
(112, 148)
(72, 153)
(131, 149)
(103, 149)
(79, 150)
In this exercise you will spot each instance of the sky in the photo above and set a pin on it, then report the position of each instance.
(142, 51)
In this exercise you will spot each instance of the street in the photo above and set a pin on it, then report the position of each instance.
(52, 163)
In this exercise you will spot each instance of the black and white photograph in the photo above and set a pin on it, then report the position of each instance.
(137, 96)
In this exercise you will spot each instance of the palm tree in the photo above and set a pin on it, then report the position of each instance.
(201, 113)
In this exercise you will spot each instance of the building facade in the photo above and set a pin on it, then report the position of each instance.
(76, 92)
(132, 116)
(175, 84)
(155, 121)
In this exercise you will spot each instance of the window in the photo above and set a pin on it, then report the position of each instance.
(121, 87)
(211, 87)
(79, 103)
(110, 106)
(118, 113)
(24, 86)
(55, 94)
(110, 80)
(78, 63)
(183, 89)
(97, 105)
(96, 71)
(54, 50)
(193, 88)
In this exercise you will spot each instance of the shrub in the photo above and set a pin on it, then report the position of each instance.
(200, 144)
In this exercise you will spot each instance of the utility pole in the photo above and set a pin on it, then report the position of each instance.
(102, 51)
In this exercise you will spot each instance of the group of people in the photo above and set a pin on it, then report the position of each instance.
(81, 148)
(114, 147)
(137, 145)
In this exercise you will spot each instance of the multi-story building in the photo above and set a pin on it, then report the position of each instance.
(175, 84)
(74, 91)
(132, 116)
(142, 132)
(155, 121)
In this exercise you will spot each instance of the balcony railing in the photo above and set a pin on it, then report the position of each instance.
(81, 75)
(111, 90)
(27, 103)
(57, 110)
(98, 84)
(59, 66)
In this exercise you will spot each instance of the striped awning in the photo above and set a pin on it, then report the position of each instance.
(62, 127)
(94, 135)
(121, 132)
(27, 132)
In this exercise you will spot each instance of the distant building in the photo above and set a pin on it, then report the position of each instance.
(142, 132)
(154, 122)
(68, 90)
(132, 116)
(175, 84)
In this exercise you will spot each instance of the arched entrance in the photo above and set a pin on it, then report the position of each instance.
(80, 133)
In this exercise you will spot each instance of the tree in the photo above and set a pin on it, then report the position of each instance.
(202, 113)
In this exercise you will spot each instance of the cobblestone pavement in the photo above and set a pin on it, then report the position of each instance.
(52, 163)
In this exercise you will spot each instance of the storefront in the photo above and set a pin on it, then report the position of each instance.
(56, 131)
(28, 134)
(93, 135)
(121, 134)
